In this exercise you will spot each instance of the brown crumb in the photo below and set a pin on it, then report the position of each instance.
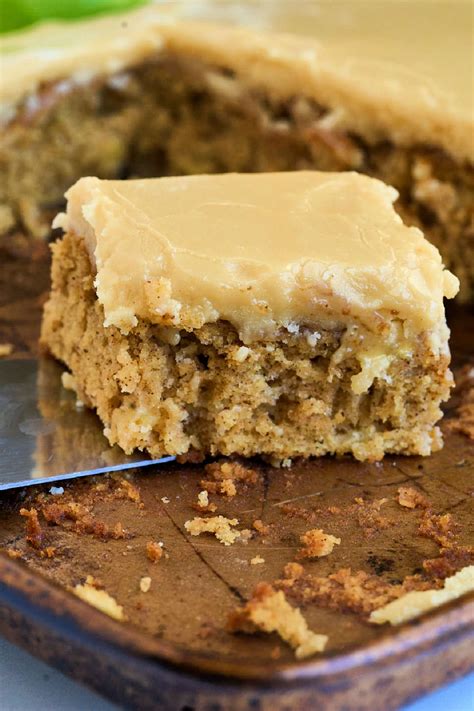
(269, 611)
(154, 551)
(440, 528)
(410, 498)
(276, 652)
(257, 560)
(368, 516)
(224, 475)
(77, 517)
(263, 529)
(48, 552)
(449, 561)
(12, 553)
(128, 490)
(345, 590)
(34, 532)
(317, 544)
(6, 349)
(293, 511)
(220, 526)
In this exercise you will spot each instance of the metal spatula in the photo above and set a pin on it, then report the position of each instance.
(45, 436)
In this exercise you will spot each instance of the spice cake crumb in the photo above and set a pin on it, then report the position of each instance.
(269, 611)
(99, 598)
(245, 535)
(220, 526)
(154, 551)
(441, 528)
(75, 516)
(203, 503)
(34, 532)
(263, 529)
(410, 498)
(317, 544)
(145, 584)
(224, 475)
(416, 603)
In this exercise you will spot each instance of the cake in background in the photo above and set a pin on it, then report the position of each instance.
(142, 94)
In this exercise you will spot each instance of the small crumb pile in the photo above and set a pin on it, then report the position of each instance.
(317, 544)
(220, 526)
(224, 477)
(99, 599)
(269, 611)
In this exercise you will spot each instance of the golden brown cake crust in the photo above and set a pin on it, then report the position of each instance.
(289, 398)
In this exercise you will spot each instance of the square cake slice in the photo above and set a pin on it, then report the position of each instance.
(277, 314)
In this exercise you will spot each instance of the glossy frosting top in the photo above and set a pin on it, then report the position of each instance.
(261, 251)
(392, 67)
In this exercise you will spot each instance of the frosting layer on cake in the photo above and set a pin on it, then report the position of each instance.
(261, 251)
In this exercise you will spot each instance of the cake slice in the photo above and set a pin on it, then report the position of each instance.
(141, 95)
(281, 314)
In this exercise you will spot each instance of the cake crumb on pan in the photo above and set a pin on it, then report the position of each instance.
(154, 551)
(416, 603)
(145, 583)
(317, 544)
(99, 598)
(410, 498)
(203, 503)
(221, 526)
(269, 611)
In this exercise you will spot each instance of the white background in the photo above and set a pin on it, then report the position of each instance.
(29, 685)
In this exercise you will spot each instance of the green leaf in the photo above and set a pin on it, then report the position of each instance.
(15, 14)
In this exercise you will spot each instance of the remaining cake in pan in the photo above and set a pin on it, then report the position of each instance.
(141, 95)
(281, 314)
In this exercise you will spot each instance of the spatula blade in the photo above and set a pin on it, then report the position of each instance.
(45, 435)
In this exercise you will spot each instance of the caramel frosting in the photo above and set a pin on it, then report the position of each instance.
(376, 63)
(261, 251)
